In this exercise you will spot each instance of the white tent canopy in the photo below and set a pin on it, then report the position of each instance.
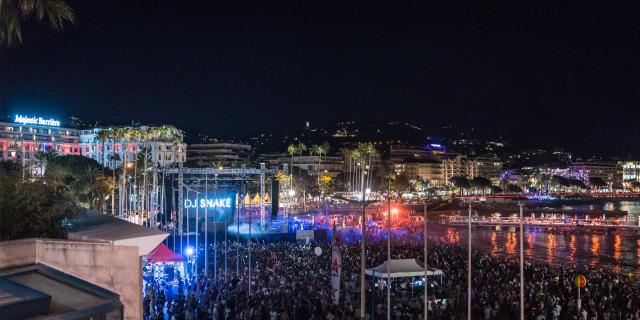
(401, 268)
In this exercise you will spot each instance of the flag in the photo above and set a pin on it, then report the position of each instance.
(336, 267)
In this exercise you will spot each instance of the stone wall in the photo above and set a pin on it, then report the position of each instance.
(115, 268)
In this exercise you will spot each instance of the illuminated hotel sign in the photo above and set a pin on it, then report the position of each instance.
(208, 203)
(38, 121)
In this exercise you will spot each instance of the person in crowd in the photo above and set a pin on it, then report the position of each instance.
(289, 281)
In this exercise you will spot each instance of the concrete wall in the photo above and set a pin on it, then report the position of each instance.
(115, 268)
(17, 253)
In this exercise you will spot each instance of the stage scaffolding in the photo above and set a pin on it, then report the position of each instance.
(200, 180)
(225, 177)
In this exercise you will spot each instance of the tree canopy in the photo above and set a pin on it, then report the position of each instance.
(31, 208)
(514, 188)
(597, 182)
(81, 177)
(460, 182)
(480, 182)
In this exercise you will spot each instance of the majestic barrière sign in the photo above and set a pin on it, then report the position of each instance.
(38, 121)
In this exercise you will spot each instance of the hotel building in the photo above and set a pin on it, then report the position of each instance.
(161, 152)
(609, 172)
(218, 154)
(22, 141)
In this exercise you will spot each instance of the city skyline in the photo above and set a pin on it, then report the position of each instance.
(231, 70)
(319, 160)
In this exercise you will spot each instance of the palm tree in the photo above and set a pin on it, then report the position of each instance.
(107, 186)
(356, 155)
(125, 135)
(12, 11)
(301, 147)
(346, 153)
(114, 159)
(292, 150)
(44, 157)
(103, 136)
(368, 153)
(320, 150)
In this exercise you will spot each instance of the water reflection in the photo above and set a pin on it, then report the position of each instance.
(617, 248)
(510, 246)
(551, 247)
(638, 255)
(572, 248)
(493, 243)
(453, 237)
(595, 249)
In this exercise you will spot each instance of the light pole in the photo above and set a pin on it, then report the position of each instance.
(426, 269)
(521, 205)
(389, 252)
(206, 224)
(362, 248)
(469, 268)
(196, 227)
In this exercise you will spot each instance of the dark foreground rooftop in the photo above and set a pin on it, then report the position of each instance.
(39, 292)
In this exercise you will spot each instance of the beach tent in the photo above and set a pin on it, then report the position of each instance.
(402, 268)
(163, 254)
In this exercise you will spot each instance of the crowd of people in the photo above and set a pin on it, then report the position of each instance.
(289, 280)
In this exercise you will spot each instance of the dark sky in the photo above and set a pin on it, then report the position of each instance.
(557, 73)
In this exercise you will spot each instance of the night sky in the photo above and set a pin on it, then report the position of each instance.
(560, 73)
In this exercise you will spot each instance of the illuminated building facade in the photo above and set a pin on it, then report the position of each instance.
(25, 139)
(218, 154)
(609, 172)
(487, 167)
(630, 172)
(429, 170)
(111, 153)
(455, 164)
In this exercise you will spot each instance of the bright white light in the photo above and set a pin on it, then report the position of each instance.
(368, 190)
(292, 192)
(188, 251)
(26, 120)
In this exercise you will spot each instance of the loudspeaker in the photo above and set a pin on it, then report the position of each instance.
(275, 195)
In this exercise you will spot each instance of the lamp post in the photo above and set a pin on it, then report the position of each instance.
(362, 248)
(469, 268)
(206, 228)
(426, 269)
(389, 252)
(521, 205)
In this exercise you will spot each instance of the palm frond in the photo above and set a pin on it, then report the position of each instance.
(57, 12)
(10, 27)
